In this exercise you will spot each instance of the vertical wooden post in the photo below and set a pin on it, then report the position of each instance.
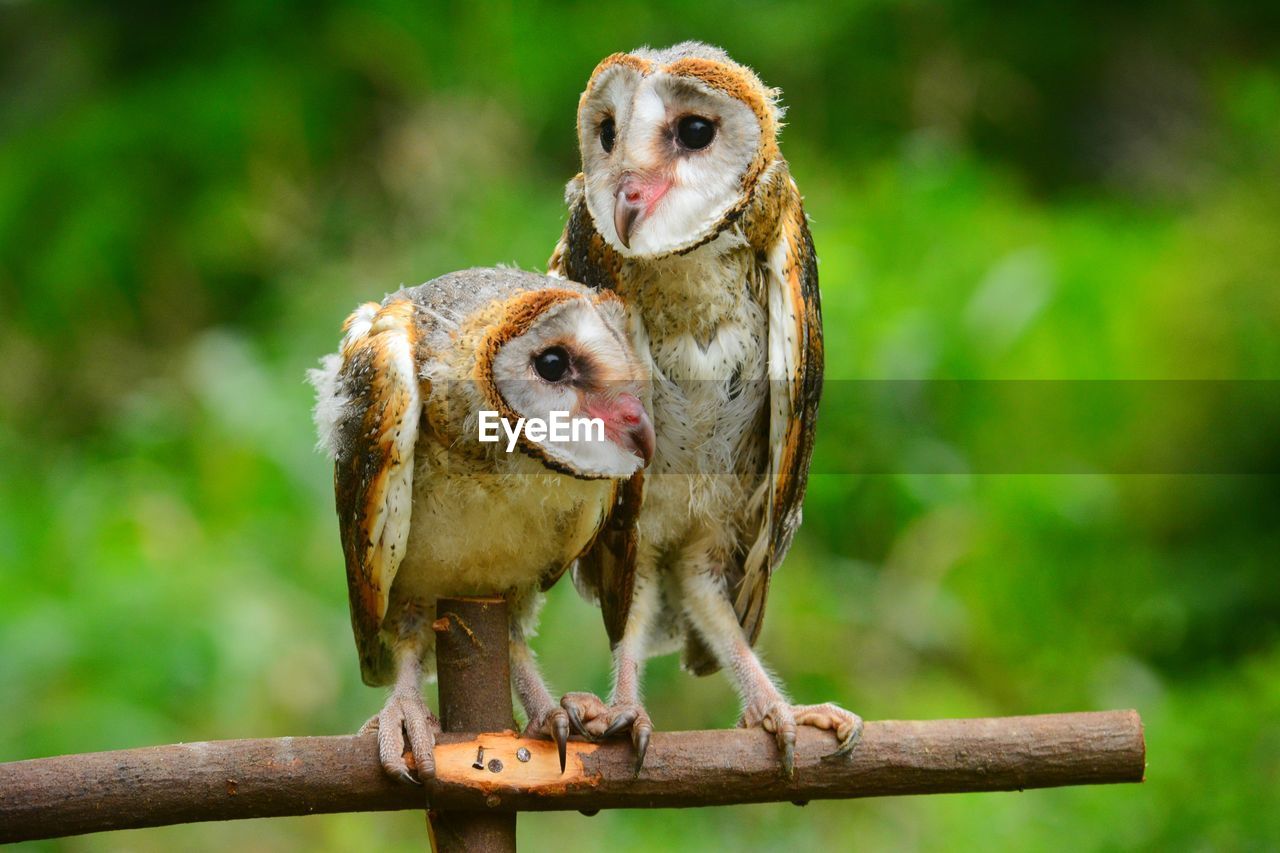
(473, 662)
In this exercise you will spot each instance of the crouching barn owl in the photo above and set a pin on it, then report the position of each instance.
(426, 509)
(686, 208)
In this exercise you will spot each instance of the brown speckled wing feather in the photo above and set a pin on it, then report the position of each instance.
(796, 421)
(606, 570)
(373, 470)
(795, 369)
(582, 255)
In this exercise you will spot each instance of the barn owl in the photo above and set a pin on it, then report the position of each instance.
(686, 208)
(426, 508)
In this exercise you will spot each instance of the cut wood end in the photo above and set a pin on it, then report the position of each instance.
(508, 761)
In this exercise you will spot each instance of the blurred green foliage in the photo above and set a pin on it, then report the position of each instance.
(192, 196)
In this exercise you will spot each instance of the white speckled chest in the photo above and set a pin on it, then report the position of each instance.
(701, 319)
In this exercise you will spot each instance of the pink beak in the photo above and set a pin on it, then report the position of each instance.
(635, 199)
(629, 427)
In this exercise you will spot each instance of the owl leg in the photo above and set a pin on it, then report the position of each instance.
(406, 719)
(592, 717)
(546, 717)
(711, 612)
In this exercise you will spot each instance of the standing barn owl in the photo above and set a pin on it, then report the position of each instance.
(686, 208)
(426, 509)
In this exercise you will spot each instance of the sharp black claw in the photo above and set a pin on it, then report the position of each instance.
(409, 777)
(846, 746)
(577, 722)
(789, 759)
(560, 731)
(625, 719)
(642, 746)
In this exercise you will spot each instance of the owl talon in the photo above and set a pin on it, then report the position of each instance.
(553, 724)
(849, 742)
(560, 732)
(405, 725)
(595, 720)
(587, 712)
(781, 719)
(640, 735)
(845, 725)
(576, 720)
(620, 722)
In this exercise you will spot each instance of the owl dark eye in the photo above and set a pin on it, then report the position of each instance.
(608, 135)
(695, 132)
(552, 364)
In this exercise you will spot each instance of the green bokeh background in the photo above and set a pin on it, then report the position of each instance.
(193, 197)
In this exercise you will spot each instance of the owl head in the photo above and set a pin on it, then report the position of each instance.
(552, 352)
(674, 143)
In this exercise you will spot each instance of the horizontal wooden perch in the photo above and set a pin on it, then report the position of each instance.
(222, 780)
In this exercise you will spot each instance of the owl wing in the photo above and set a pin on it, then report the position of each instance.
(605, 571)
(795, 386)
(582, 255)
(374, 430)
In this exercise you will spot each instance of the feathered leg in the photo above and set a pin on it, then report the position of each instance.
(546, 717)
(709, 610)
(592, 717)
(406, 718)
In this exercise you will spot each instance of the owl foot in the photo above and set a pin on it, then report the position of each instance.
(552, 723)
(846, 725)
(405, 720)
(593, 719)
(781, 720)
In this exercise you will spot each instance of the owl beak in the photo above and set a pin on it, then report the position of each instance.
(632, 427)
(627, 208)
(636, 198)
(643, 439)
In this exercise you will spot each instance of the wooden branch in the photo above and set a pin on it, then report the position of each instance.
(222, 780)
(473, 667)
